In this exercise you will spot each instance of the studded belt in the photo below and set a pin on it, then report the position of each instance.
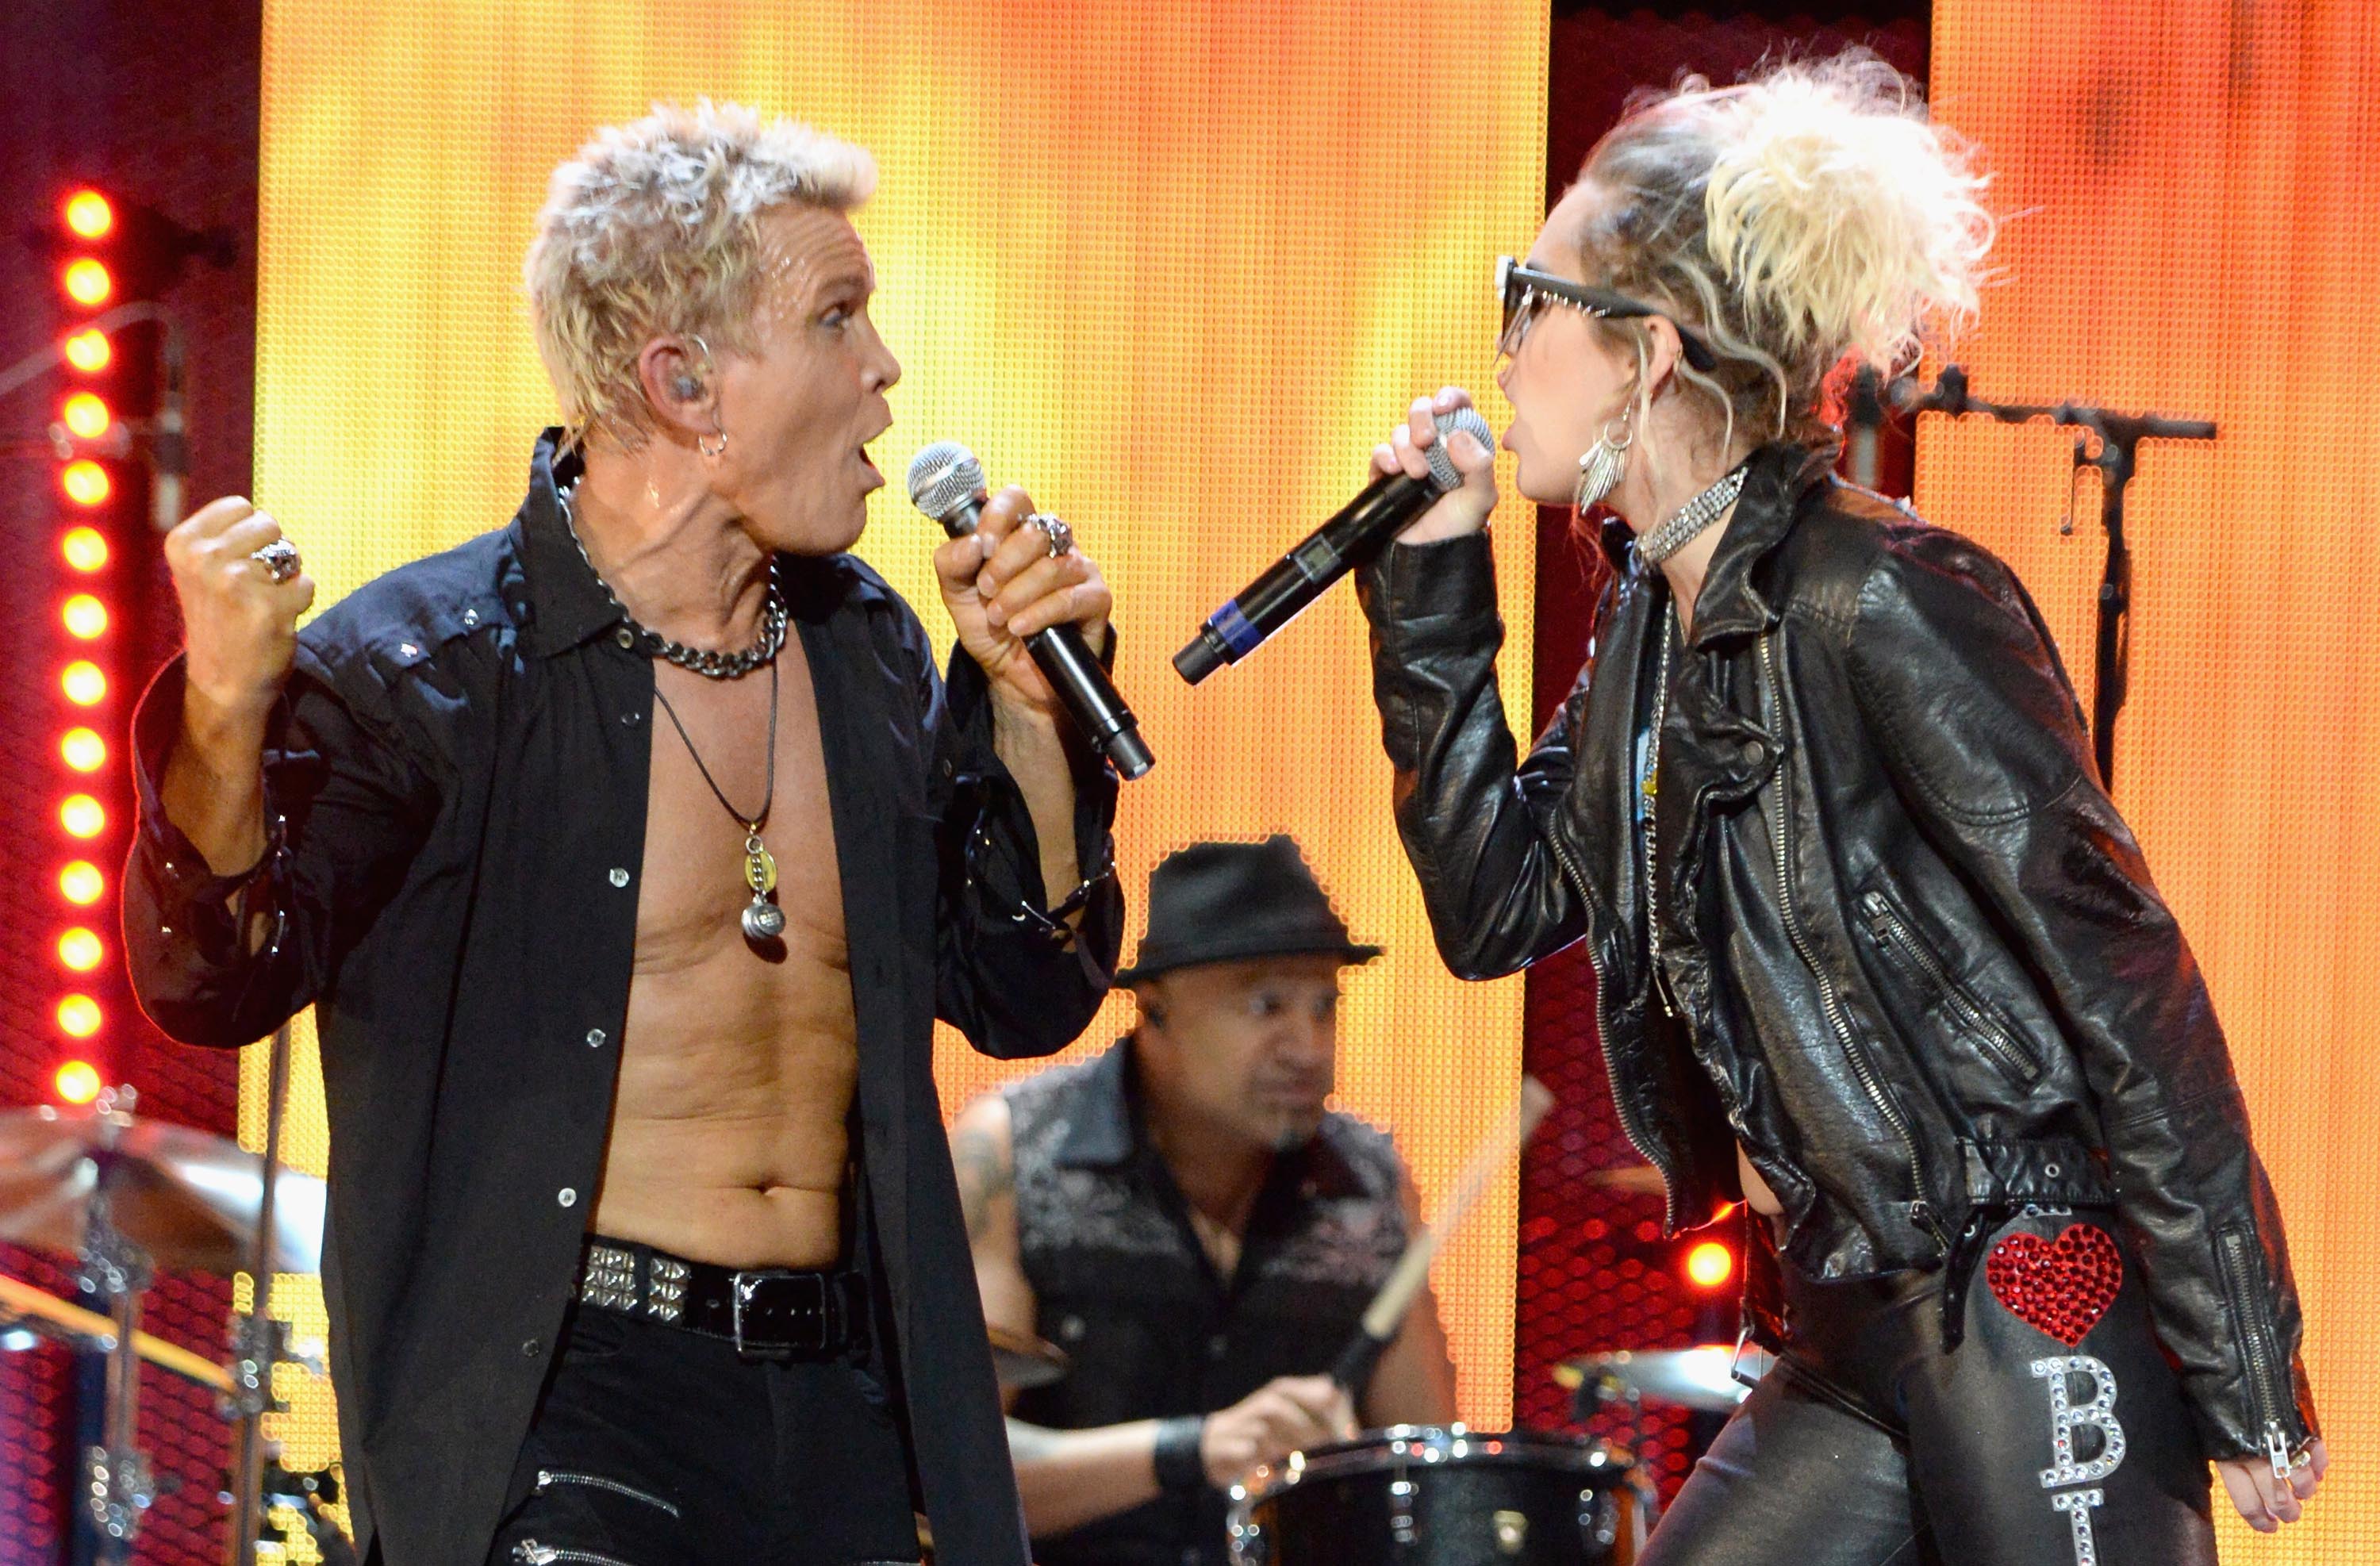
(767, 1313)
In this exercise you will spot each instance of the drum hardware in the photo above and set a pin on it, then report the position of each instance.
(1704, 1378)
(1023, 1362)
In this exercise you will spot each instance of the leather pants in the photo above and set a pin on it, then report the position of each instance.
(2054, 1432)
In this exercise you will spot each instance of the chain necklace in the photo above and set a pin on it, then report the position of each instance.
(1648, 784)
(709, 664)
(764, 920)
(1692, 518)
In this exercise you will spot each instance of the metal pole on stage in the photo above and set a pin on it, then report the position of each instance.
(2110, 443)
(257, 1341)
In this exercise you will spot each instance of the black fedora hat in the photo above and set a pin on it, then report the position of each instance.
(1229, 902)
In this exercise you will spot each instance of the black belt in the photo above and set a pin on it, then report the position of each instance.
(767, 1312)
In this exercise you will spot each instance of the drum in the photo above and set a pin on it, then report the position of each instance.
(1420, 1495)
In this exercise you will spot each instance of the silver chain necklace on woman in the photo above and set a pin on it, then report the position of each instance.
(1692, 518)
(1648, 786)
(709, 664)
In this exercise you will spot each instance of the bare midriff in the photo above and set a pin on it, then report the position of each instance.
(1756, 1194)
(729, 1128)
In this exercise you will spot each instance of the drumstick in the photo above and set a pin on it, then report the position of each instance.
(1387, 1312)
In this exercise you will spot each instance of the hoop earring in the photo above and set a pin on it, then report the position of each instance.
(1600, 470)
(702, 444)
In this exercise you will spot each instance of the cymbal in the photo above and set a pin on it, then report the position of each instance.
(1697, 1378)
(1636, 1179)
(1024, 1362)
(188, 1197)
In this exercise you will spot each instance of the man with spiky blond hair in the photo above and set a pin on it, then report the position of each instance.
(628, 855)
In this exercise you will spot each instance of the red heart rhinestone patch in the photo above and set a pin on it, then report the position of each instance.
(2059, 1287)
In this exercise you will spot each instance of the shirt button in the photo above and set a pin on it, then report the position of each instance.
(619, 876)
(627, 638)
(567, 1196)
(470, 616)
(531, 1348)
(632, 719)
(407, 648)
(595, 1036)
(1218, 1346)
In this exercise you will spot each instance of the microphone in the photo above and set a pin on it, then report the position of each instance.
(1339, 546)
(946, 484)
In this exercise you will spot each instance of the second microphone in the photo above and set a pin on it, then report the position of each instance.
(946, 482)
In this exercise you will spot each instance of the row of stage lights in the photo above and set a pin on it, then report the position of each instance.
(90, 661)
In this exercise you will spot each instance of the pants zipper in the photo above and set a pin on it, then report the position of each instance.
(1920, 1210)
(548, 1477)
(1893, 934)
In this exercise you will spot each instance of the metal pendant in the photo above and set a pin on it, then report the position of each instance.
(764, 920)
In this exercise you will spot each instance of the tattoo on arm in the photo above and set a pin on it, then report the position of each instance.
(986, 1173)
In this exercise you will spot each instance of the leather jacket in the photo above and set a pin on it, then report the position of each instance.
(1912, 960)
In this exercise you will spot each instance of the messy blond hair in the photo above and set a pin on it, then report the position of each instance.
(1810, 218)
(653, 226)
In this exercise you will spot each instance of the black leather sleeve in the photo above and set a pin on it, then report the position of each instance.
(1468, 810)
(1959, 685)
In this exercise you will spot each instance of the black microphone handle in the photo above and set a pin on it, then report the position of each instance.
(1273, 600)
(1075, 673)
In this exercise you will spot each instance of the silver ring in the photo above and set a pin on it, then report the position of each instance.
(279, 559)
(1054, 528)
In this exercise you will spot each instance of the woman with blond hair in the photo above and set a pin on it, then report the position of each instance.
(1876, 954)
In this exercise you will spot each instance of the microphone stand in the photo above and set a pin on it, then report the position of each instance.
(258, 1342)
(2109, 441)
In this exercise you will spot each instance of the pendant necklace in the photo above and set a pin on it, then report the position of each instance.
(764, 920)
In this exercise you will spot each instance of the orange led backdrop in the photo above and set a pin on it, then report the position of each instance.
(1176, 267)
(2196, 218)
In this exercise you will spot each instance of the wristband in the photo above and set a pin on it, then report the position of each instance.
(1180, 1468)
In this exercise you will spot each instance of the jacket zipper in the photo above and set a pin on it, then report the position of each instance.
(2233, 1250)
(1625, 1110)
(1920, 1210)
(532, 1553)
(1894, 934)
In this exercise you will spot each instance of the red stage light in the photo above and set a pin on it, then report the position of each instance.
(85, 547)
(90, 214)
(81, 949)
(82, 884)
(78, 1017)
(85, 616)
(82, 816)
(85, 417)
(84, 682)
(1709, 1265)
(83, 749)
(77, 1082)
(85, 483)
(90, 351)
(87, 283)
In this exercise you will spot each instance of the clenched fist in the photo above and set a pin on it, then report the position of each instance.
(240, 626)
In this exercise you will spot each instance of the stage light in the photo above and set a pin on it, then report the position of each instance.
(84, 682)
(88, 283)
(85, 417)
(85, 483)
(90, 215)
(83, 750)
(82, 884)
(90, 351)
(85, 547)
(82, 816)
(84, 616)
(81, 949)
(78, 1017)
(77, 1082)
(1709, 1265)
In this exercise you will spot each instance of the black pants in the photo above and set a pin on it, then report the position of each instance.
(2054, 1433)
(654, 1447)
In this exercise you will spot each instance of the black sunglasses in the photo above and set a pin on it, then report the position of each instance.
(1521, 287)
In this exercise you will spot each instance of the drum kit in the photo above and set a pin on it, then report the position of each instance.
(121, 1197)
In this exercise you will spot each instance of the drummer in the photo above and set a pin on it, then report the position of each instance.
(1183, 1217)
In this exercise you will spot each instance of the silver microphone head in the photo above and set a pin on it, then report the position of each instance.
(944, 477)
(1441, 466)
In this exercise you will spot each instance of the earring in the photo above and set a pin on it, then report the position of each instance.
(702, 444)
(1600, 470)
